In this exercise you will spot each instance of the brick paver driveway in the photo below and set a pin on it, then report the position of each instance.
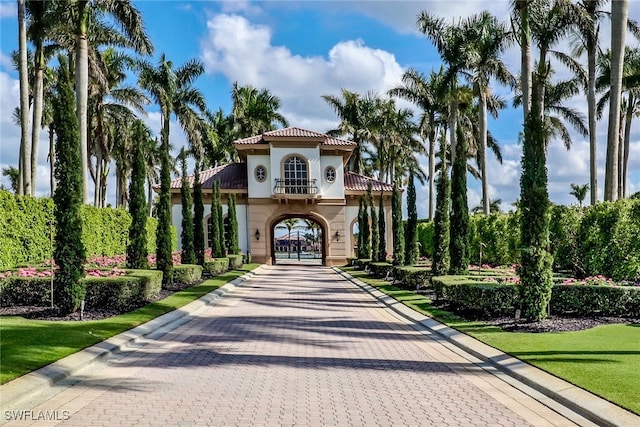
(295, 345)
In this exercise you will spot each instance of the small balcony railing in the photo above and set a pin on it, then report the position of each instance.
(295, 186)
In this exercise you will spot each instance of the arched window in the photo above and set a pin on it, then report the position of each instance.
(296, 177)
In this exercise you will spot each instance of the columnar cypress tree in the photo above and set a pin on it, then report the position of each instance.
(397, 226)
(382, 230)
(69, 253)
(188, 255)
(411, 236)
(223, 237)
(536, 263)
(164, 262)
(375, 232)
(360, 227)
(233, 225)
(217, 250)
(441, 218)
(137, 247)
(198, 216)
(366, 229)
(459, 243)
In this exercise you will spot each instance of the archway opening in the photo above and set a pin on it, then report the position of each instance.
(298, 240)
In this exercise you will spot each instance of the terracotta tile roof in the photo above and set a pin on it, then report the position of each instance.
(294, 133)
(356, 182)
(232, 176)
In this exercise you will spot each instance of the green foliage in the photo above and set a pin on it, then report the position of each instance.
(563, 233)
(441, 220)
(234, 248)
(397, 226)
(375, 231)
(221, 232)
(187, 273)
(412, 277)
(590, 300)
(235, 261)
(365, 231)
(215, 267)
(497, 235)
(380, 269)
(477, 298)
(164, 261)
(426, 235)
(536, 262)
(458, 245)
(411, 229)
(69, 251)
(188, 254)
(382, 230)
(217, 249)
(360, 243)
(137, 246)
(198, 217)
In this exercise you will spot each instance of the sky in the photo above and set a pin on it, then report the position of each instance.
(301, 50)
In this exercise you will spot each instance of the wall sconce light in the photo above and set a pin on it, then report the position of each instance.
(257, 234)
(337, 236)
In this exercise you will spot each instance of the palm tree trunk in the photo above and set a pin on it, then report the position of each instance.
(619, 13)
(38, 96)
(82, 91)
(525, 56)
(591, 108)
(482, 139)
(432, 171)
(24, 180)
(621, 151)
(627, 142)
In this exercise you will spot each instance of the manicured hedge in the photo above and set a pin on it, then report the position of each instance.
(25, 231)
(412, 277)
(487, 299)
(235, 262)
(361, 263)
(118, 293)
(187, 273)
(380, 269)
(215, 267)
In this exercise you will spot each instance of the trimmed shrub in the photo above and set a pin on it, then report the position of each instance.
(361, 263)
(397, 226)
(497, 235)
(412, 277)
(235, 262)
(380, 269)
(596, 300)
(426, 234)
(563, 233)
(215, 267)
(187, 273)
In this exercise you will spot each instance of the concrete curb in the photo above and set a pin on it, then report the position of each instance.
(25, 388)
(586, 404)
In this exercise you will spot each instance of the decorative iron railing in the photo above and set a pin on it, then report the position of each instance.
(295, 186)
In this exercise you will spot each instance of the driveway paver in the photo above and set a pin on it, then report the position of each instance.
(292, 346)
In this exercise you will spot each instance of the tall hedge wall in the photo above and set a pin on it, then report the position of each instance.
(24, 230)
(596, 240)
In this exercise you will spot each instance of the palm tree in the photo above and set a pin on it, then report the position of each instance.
(619, 13)
(315, 230)
(355, 114)
(255, 111)
(86, 15)
(494, 206)
(488, 39)
(24, 181)
(520, 23)
(579, 192)
(172, 90)
(423, 92)
(289, 224)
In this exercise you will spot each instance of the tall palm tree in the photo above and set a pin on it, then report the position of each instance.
(171, 89)
(86, 13)
(355, 114)
(520, 23)
(423, 91)
(488, 39)
(255, 111)
(579, 192)
(619, 14)
(24, 181)
(289, 224)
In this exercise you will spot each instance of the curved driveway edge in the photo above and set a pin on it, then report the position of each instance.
(38, 384)
(588, 405)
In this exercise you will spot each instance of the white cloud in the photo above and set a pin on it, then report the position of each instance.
(243, 52)
(8, 10)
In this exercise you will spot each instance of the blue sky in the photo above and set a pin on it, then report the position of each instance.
(301, 50)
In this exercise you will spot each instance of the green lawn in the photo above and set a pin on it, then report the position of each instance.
(26, 345)
(604, 360)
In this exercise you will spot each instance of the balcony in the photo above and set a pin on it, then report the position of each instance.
(295, 188)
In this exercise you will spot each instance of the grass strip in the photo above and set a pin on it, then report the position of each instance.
(604, 360)
(26, 345)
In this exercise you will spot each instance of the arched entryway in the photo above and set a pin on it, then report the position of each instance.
(299, 239)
